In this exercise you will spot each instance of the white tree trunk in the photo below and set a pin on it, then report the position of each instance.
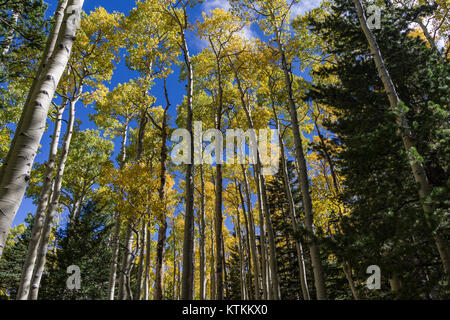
(265, 279)
(148, 248)
(123, 293)
(38, 223)
(292, 212)
(252, 236)
(52, 208)
(188, 241)
(202, 234)
(416, 166)
(17, 170)
(48, 51)
(319, 281)
(117, 224)
(10, 34)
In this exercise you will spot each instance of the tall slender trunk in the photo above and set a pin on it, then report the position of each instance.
(262, 241)
(160, 253)
(114, 259)
(188, 241)
(38, 223)
(348, 274)
(116, 231)
(272, 258)
(140, 271)
(19, 161)
(126, 264)
(254, 251)
(292, 211)
(174, 262)
(219, 190)
(225, 275)
(241, 255)
(179, 280)
(148, 248)
(48, 52)
(218, 233)
(161, 246)
(298, 244)
(273, 264)
(247, 241)
(212, 273)
(202, 225)
(53, 206)
(405, 132)
(345, 266)
(319, 281)
(9, 36)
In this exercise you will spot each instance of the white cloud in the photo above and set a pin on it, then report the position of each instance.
(304, 6)
(248, 33)
(210, 5)
(440, 44)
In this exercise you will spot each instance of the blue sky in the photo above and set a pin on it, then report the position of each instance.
(122, 74)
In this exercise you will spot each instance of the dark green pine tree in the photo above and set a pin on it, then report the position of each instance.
(12, 261)
(387, 226)
(233, 265)
(288, 267)
(84, 243)
(23, 29)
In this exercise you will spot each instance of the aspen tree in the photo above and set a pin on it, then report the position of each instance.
(405, 132)
(16, 171)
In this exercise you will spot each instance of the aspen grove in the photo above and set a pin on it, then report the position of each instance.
(224, 150)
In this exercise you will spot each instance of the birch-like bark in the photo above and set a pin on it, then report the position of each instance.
(139, 152)
(114, 259)
(202, 231)
(117, 224)
(272, 258)
(38, 223)
(247, 239)
(17, 169)
(345, 266)
(225, 275)
(53, 205)
(10, 33)
(162, 232)
(319, 281)
(148, 251)
(262, 242)
(140, 271)
(48, 52)
(241, 255)
(274, 284)
(292, 211)
(212, 273)
(126, 264)
(174, 278)
(188, 241)
(160, 254)
(218, 230)
(254, 250)
(408, 141)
